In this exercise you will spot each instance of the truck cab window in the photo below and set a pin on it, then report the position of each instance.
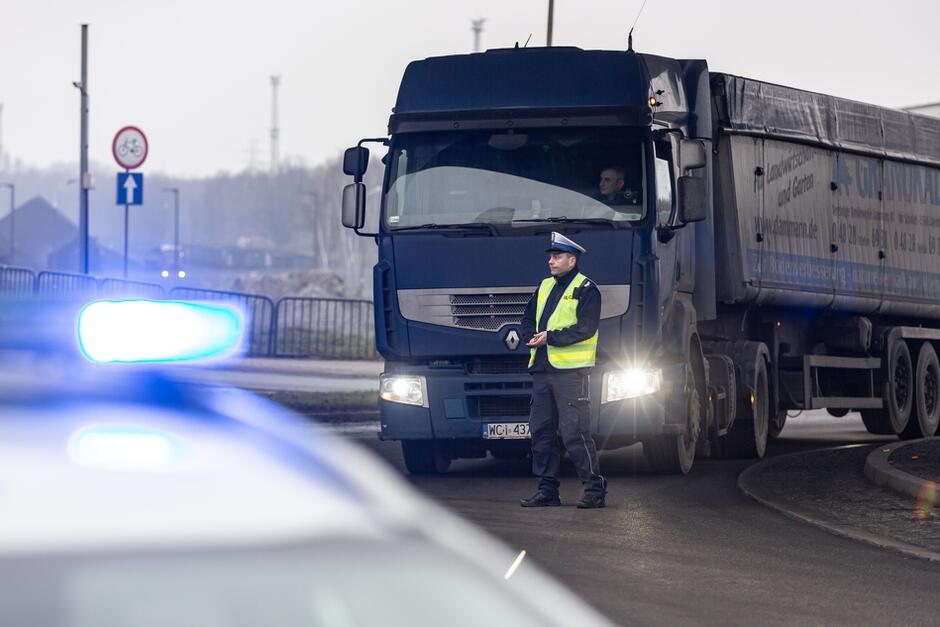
(505, 177)
(398, 195)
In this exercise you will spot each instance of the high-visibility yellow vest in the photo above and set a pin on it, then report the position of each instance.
(577, 355)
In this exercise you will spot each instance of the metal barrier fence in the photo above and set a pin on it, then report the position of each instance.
(16, 281)
(65, 284)
(259, 313)
(294, 327)
(22, 282)
(118, 288)
(324, 327)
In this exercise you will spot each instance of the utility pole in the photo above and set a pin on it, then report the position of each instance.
(176, 228)
(551, 19)
(477, 28)
(84, 179)
(275, 131)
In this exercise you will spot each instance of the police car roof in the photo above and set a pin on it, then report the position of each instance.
(92, 456)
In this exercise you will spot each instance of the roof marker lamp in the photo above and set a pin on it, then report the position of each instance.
(406, 389)
(158, 331)
(632, 383)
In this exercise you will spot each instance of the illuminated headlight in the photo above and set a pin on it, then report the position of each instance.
(410, 390)
(631, 384)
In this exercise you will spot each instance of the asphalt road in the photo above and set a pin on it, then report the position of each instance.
(692, 550)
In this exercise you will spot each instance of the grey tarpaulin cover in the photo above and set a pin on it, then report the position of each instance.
(825, 203)
(749, 106)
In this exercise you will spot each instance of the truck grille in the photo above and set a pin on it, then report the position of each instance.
(489, 308)
(493, 406)
(498, 366)
(477, 308)
(488, 312)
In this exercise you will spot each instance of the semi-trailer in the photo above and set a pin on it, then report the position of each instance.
(780, 252)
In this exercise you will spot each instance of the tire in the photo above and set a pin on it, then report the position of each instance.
(424, 457)
(837, 412)
(923, 423)
(898, 394)
(675, 454)
(748, 435)
(776, 425)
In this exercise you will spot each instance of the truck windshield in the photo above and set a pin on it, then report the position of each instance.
(515, 178)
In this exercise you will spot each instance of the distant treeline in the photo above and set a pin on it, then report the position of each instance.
(296, 211)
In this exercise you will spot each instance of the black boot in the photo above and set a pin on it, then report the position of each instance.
(592, 501)
(541, 499)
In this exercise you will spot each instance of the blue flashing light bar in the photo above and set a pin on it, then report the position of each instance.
(130, 331)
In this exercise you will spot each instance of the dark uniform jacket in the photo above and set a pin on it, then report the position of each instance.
(589, 315)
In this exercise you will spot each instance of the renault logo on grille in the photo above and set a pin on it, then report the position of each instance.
(512, 340)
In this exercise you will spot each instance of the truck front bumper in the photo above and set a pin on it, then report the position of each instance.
(459, 404)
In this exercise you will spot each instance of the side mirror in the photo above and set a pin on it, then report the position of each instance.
(691, 154)
(354, 205)
(356, 162)
(693, 204)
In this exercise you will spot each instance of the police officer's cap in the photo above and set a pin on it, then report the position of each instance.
(561, 244)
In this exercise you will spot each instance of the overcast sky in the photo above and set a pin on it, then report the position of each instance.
(194, 74)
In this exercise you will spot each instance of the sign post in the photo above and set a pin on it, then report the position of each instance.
(130, 151)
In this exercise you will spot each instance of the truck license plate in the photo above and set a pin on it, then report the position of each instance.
(506, 430)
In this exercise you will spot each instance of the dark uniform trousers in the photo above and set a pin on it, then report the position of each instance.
(560, 411)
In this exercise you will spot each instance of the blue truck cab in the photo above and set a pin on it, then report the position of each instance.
(769, 249)
(487, 155)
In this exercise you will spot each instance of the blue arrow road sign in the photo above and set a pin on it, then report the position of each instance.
(130, 188)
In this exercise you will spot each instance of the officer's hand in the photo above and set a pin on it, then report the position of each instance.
(539, 339)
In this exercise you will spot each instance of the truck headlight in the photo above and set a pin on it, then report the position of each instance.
(624, 384)
(407, 389)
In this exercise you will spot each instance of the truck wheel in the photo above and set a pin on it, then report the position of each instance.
(748, 435)
(837, 412)
(923, 424)
(898, 394)
(675, 454)
(777, 424)
(424, 457)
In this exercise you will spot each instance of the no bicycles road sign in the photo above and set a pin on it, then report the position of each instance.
(129, 147)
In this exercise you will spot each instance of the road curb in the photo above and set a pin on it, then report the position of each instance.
(746, 483)
(880, 471)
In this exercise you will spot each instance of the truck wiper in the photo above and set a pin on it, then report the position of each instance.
(566, 220)
(444, 227)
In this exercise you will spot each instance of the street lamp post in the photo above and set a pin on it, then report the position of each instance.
(176, 227)
(12, 188)
(551, 20)
(84, 176)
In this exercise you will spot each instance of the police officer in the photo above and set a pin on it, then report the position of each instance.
(561, 319)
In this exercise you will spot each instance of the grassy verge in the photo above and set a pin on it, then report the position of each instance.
(331, 406)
